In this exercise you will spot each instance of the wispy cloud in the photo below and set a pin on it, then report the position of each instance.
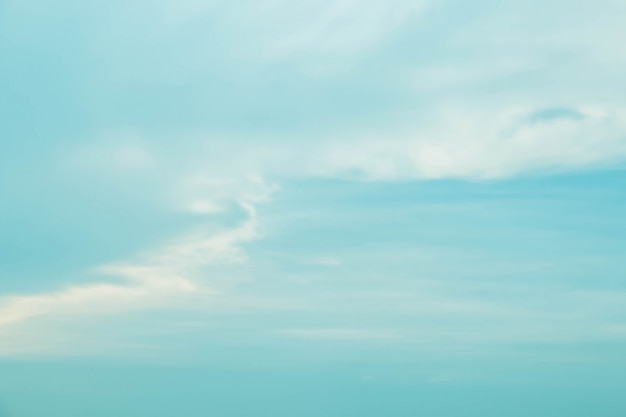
(461, 141)
(284, 29)
(341, 334)
(160, 279)
(490, 144)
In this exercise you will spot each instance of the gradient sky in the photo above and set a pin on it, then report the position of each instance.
(312, 208)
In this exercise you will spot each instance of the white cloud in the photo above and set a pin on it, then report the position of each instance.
(205, 207)
(474, 144)
(212, 191)
(465, 142)
(338, 334)
(161, 279)
(279, 29)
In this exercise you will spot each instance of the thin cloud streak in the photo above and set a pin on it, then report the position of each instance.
(158, 281)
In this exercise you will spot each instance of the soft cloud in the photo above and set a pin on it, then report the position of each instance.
(160, 279)
(462, 142)
(282, 29)
(341, 334)
(471, 144)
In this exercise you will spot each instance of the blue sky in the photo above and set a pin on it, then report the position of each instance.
(312, 208)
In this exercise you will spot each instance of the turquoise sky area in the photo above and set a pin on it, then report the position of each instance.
(312, 208)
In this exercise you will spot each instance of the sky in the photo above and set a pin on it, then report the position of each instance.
(312, 208)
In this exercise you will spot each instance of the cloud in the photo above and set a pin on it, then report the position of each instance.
(260, 31)
(451, 318)
(161, 279)
(462, 142)
(340, 334)
(281, 29)
(327, 261)
(470, 144)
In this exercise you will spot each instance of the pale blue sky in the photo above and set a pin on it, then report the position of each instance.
(338, 208)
